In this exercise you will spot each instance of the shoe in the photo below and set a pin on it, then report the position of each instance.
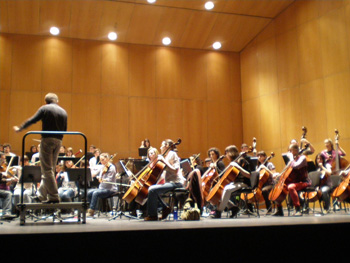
(279, 211)
(50, 201)
(216, 214)
(165, 212)
(151, 218)
(90, 212)
(8, 217)
(297, 211)
(234, 211)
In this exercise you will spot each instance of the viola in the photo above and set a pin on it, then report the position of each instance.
(145, 178)
(227, 176)
(280, 191)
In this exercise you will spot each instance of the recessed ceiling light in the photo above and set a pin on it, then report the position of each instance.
(54, 30)
(217, 45)
(112, 36)
(151, 1)
(209, 5)
(166, 41)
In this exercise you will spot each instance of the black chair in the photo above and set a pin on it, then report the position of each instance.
(312, 191)
(177, 197)
(254, 183)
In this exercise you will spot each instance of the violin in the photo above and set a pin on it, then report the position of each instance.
(146, 177)
(280, 191)
(227, 176)
(8, 172)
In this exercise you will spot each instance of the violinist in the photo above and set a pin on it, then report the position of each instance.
(107, 186)
(172, 177)
(67, 189)
(5, 193)
(297, 180)
(29, 189)
(214, 155)
(242, 180)
(267, 187)
(7, 150)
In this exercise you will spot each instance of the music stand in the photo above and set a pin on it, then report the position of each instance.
(30, 174)
(254, 161)
(121, 193)
(15, 160)
(77, 175)
(186, 166)
(143, 151)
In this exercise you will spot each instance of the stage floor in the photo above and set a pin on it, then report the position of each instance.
(110, 223)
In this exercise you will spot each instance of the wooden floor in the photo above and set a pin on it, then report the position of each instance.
(241, 237)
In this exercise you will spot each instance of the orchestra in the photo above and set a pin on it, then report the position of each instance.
(162, 172)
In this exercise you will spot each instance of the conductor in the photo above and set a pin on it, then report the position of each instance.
(53, 118)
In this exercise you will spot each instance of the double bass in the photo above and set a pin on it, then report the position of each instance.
(227, 176)
(342, 191)
(146, 177)
(209, 177)
(340, 163)
(280, 191)
(264, 175)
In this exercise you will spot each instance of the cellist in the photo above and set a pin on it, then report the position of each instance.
(266, 188)
(242, 180)
(297, 180)
(172, 177)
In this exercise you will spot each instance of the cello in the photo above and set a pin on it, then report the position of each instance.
(342, 191)
(227, 176)
(149, 175)
(209, 177)
(264, 175)
(280, 191)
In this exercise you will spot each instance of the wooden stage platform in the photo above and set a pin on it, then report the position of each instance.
(244, 238)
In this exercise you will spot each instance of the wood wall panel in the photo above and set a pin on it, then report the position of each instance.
(142, 68)
(114, 124)
(309, 46)
(114, 69)
(5, 118)
(287, 60)
(22, 108)
(6, 62)
(194, 72)
(337, 97)
(86, 67)
(313, 76)
(142, 122)
(117, 95)
(168, 73)
(251, 120)
(26, 63)
(334, 43)
(57, 65)
(169, 119)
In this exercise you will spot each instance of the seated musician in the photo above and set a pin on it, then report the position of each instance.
(214, 155)
(297, 180)
(67, 189)
(242, 180)
(330, 153)
(172, 177)
(326, 184)
(267, 187)
(28, 188)
(107, 186)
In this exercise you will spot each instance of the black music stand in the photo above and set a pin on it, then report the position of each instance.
(143, 151)
(30, 174)
(15, 160)
(77, 175)
(121, 193)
